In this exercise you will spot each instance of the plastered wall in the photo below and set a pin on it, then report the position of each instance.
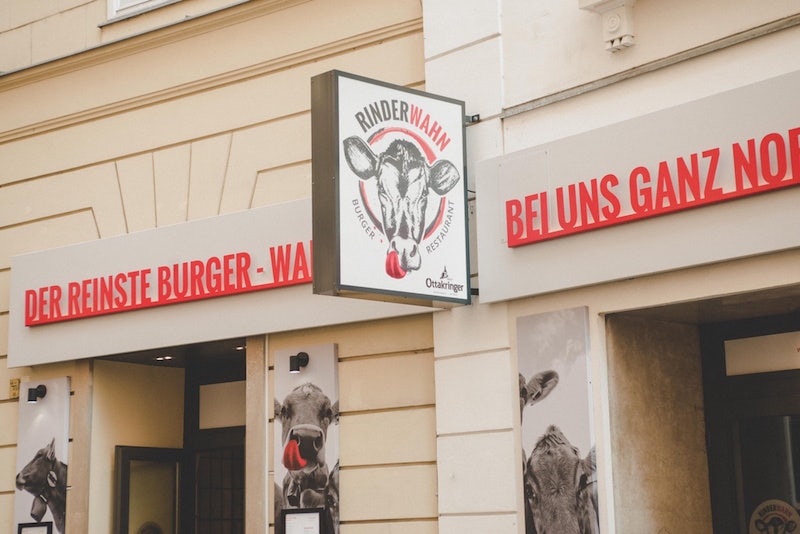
(500, 55)
(657, 427)
(477, 390)
(33, 33)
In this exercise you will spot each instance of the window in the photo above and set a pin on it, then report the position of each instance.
(123, 8)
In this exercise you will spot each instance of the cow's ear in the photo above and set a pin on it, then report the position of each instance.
(361, 159)
(541, 385)
(523, 393)
(443, 176)
(278, 408)
(335, 410)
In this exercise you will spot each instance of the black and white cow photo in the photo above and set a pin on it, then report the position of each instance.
(558, 460)
(45, 478)
(40, 499)
(404, 181)
(306, 450)
(304, 416)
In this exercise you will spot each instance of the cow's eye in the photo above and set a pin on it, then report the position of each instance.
(530, 493)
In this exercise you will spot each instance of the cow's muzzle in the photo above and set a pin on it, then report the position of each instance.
(304, 447)
(403, 256)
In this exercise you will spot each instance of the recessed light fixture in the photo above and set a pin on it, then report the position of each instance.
(163, 358)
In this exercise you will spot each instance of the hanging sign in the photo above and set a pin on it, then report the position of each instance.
(389, 192)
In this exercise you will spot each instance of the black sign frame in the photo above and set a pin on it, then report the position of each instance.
(327, 219)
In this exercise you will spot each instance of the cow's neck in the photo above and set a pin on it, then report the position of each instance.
(55, 493)
(320, 470)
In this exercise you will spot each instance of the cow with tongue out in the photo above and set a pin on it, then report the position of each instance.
(404, 179)
(305, 415)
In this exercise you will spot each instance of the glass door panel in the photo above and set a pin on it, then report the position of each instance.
(768, 456)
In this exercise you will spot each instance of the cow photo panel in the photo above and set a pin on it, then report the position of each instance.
(41, 480)
(556, 422)
(306, 430)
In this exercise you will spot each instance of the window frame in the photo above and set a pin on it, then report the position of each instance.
(116, 10)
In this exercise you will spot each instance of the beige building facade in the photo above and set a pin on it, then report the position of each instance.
(141, 129)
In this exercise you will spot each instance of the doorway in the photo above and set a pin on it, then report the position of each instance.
(752, 407)
(672, 407)
(213, 445)
(145, 400)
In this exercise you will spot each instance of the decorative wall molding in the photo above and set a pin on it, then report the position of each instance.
(652, 66)
(124, 49)
(153, 38)
(617, 16)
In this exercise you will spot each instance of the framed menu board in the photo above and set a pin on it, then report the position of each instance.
(302, 520)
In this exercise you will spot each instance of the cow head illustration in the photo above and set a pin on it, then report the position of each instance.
(404, 180)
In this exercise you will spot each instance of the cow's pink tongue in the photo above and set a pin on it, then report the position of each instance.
(393, 268)
(291, 456)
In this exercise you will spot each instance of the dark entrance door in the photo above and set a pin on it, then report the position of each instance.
(753, 432)
(219, 488)
(213, 485)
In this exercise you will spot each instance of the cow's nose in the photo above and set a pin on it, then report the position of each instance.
(411, 258)
(309, 440)
(408, 253)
